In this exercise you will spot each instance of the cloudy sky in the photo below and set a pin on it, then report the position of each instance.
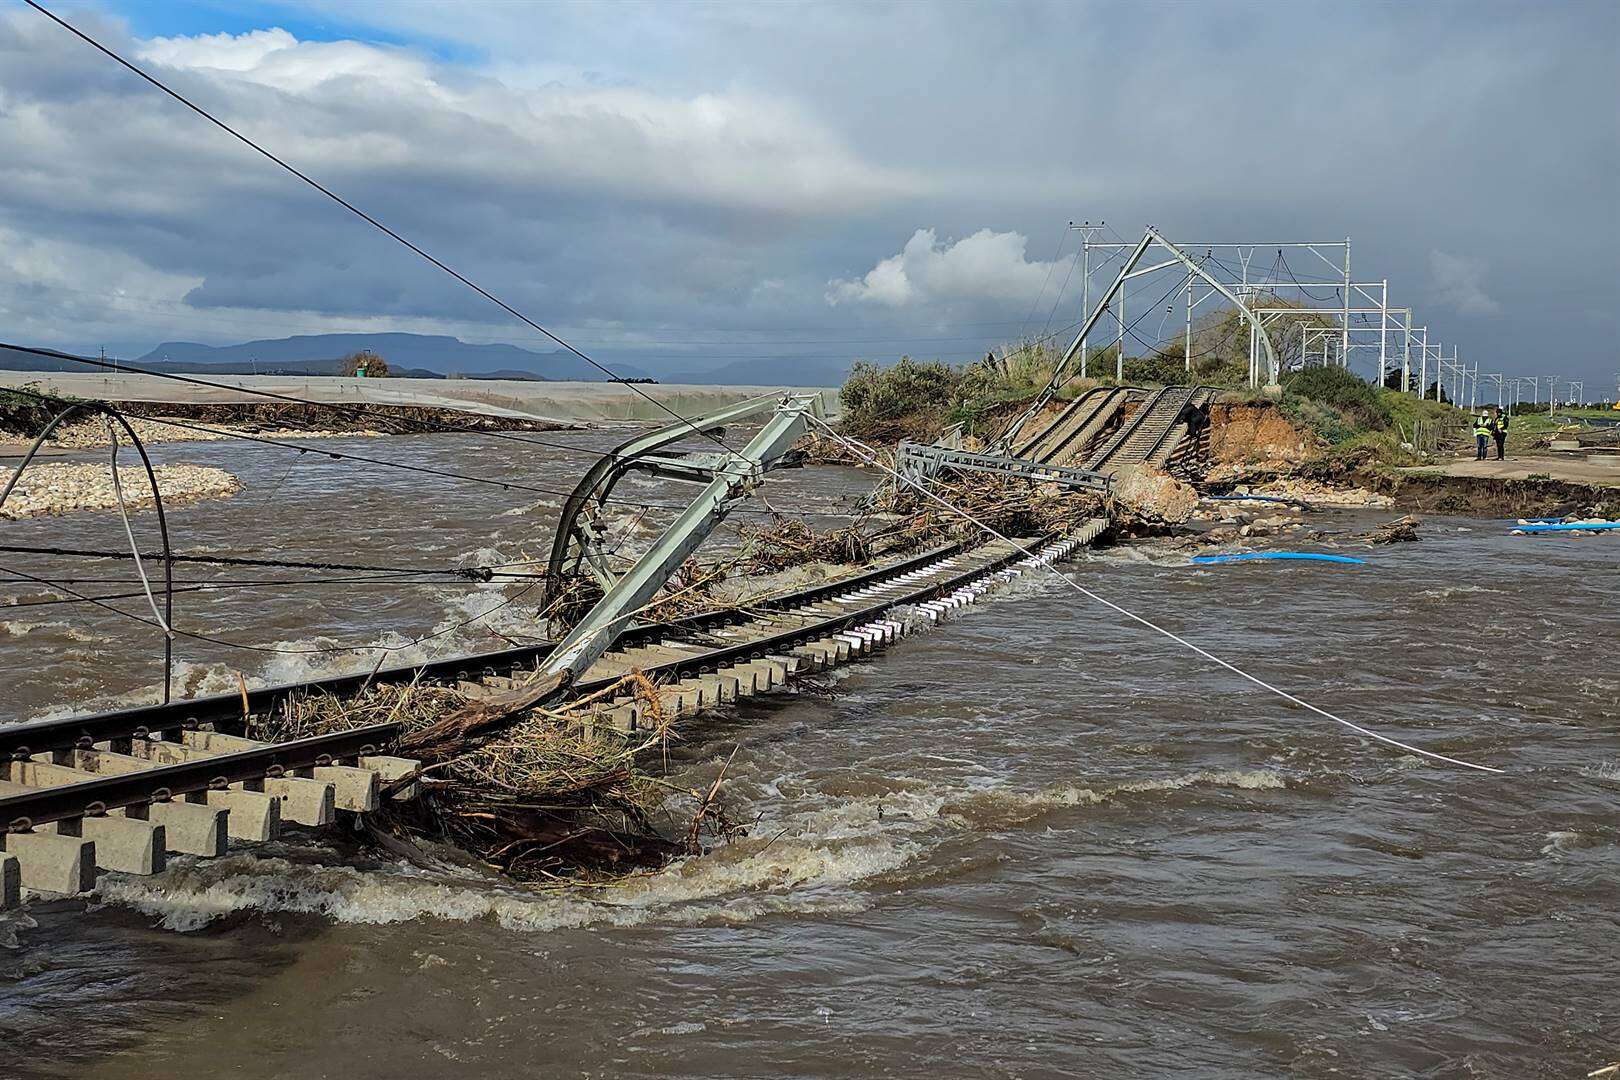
(719, 182)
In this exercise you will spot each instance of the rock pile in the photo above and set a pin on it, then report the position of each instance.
(1154, 497)
(92, 433)
(58, 488)
(1318, 494)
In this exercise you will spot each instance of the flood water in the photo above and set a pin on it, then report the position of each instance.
(1035, 841)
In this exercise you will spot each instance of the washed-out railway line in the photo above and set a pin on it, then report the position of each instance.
(122, 790)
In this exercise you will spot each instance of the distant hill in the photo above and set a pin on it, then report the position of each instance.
(424, 356)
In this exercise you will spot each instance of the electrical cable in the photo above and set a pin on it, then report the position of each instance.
(351, 411)
(1300, 285)
(227, 586)
(50, 584)
(129, 532)
(872, 458)
(1063, 238)
(355, 210)
(1058, 299)
(472, 573)
(338, 455)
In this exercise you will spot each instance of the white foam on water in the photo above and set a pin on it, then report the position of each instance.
(818, 848)
(528, 509)
(1448, 591)
(20, 628)
(1561, 842)
(999, 806)
(1248, 780)
(1607, 770)
(803, 863)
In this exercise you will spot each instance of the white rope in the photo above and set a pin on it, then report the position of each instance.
(870, 456)
(134, 548)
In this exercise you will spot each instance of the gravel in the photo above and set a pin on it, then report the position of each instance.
(57, 488)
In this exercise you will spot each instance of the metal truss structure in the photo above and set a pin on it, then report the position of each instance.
(921, 461)
(1329, 333)
(728, 477)
(1259, 339)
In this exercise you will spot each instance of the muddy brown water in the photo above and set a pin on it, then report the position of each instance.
(1033, 842)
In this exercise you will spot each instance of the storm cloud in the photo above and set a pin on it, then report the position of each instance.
(718, 181)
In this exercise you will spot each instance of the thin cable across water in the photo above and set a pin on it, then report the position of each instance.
(870, 456)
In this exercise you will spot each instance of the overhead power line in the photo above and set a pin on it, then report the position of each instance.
(364, 216)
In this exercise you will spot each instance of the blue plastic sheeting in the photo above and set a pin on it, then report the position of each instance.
(1567, 527)
(1307, 556)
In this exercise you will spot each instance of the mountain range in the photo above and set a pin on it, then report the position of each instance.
(432, 356)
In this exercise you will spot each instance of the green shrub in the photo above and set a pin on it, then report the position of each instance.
(1161, 369)
(1358, 403)
(876, 398)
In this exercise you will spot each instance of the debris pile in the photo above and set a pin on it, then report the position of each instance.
(1152, 497)
(1400, 531)
(540, 793)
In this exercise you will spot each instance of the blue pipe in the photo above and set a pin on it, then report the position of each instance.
(1563, 526)
(1307, 556)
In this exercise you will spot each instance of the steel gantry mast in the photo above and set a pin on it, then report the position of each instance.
(1177, 257)
(727, 477)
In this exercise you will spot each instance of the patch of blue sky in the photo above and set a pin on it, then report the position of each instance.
(188, 18)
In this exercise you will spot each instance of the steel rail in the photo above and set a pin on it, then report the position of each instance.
(1129, 428)
(19, 813)
(724, 656)
(102, 794)
(1170, 424)
(229, 711)
(1110, 402)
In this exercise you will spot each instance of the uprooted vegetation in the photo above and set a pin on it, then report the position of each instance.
(550, 795)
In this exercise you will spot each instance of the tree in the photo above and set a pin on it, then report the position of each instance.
(364, 363)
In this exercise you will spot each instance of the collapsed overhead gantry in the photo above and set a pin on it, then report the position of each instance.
(1150, 238)
(728, 476)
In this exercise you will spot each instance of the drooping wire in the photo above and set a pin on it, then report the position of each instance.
(339, 455)
(872, 458)
(472, 573)
(1300, 285)
(1063, 239)
(110, 413)
(129, 532)
(370, 220)
(52, 584)
(351, 411)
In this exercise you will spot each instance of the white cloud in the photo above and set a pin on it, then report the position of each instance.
(987, 267)
(224, 52)
(1460, 283)
(743, 151)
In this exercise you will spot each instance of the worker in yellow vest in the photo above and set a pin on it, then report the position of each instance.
(1482, 436)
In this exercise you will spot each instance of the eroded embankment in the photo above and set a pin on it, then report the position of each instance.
(1475, 496)
(1258, 434)
(22, 419)
(1257, 442)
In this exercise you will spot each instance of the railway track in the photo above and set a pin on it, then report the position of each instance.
(1151, 434)
(123, 790)
(1077, 426)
